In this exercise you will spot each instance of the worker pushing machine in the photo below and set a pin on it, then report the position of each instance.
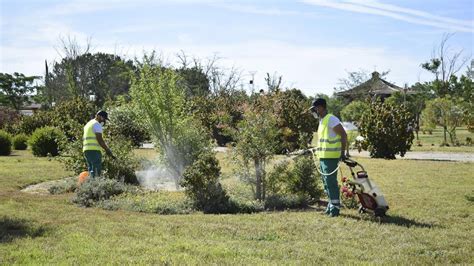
(93, 141)
(332, 141)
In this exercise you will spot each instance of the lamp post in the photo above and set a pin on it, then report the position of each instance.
(252, 81)
(405, 89)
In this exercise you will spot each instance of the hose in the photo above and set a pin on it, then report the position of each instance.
(319, 166)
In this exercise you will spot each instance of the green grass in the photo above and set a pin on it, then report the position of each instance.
(431, 142)
(430, 222)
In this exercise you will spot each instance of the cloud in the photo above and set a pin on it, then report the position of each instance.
(313, 69)
(404, 14)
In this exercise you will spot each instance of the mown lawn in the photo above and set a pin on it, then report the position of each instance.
(431, 217)
(431, 142)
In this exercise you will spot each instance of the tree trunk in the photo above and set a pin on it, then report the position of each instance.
(445, 137)
(264, 183)
(258, 175)
(417, 126)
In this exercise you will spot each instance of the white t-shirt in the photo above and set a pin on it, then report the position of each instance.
(333, 121)
(97, 128)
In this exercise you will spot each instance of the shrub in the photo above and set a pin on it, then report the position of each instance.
(5, 143)
(123, 168)
(97, 189)
(245, 206)
(124, 123)
(296, 126)
(20, 142)
(45, 141)
(283, 202)
(278, 178)
(299, 179)
(305, 182)
(28, 124)
(8, 118)
(70, 116)
(201, 181)
(385, 128)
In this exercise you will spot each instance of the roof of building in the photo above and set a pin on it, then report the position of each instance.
(374, 86)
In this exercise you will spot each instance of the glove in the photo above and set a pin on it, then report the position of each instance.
(109, 153)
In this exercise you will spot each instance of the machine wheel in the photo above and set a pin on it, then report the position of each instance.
(379, 212)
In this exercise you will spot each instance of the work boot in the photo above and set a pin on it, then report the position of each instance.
(327, 211)
(333, 211)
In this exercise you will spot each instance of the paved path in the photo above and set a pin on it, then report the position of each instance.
(431, 155)
(412, 155)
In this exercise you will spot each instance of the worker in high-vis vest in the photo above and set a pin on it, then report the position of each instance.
(332, 139)
(93, 142)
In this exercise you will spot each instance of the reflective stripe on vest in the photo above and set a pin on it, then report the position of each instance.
(89, 140)
(328, 147)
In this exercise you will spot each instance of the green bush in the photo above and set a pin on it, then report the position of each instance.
(295, 125)
(45, 141)
(5, 143)
(124, 123)
(123, 168)
(245, 206)
(9, 117)
(70, 116)
(283, 202)
(299, 178)
(20, 142)
(385, 128)
(28, 124)
(97, 189)
(201, 181)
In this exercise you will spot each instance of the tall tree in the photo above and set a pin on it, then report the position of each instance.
(447, 113)
(103, 75)
(16, 89)
(444, 63)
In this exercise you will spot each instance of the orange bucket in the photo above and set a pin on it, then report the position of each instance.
(83, 177)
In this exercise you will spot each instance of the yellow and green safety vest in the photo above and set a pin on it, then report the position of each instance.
(89, 139)
(328, 148)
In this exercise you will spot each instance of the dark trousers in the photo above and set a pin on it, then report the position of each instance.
(94, 162)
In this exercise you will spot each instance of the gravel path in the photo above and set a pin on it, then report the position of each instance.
(413, 155)
(434, 156)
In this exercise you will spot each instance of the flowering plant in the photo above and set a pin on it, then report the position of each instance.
(347, 194)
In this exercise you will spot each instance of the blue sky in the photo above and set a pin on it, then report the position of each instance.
(311, 43)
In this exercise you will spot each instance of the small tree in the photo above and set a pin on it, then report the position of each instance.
(14, 89)
(446, 113)
(160, 93)
(385, 127)
(257, 140)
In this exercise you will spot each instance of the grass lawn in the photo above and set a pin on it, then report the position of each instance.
(432, 142)
(431, 217)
